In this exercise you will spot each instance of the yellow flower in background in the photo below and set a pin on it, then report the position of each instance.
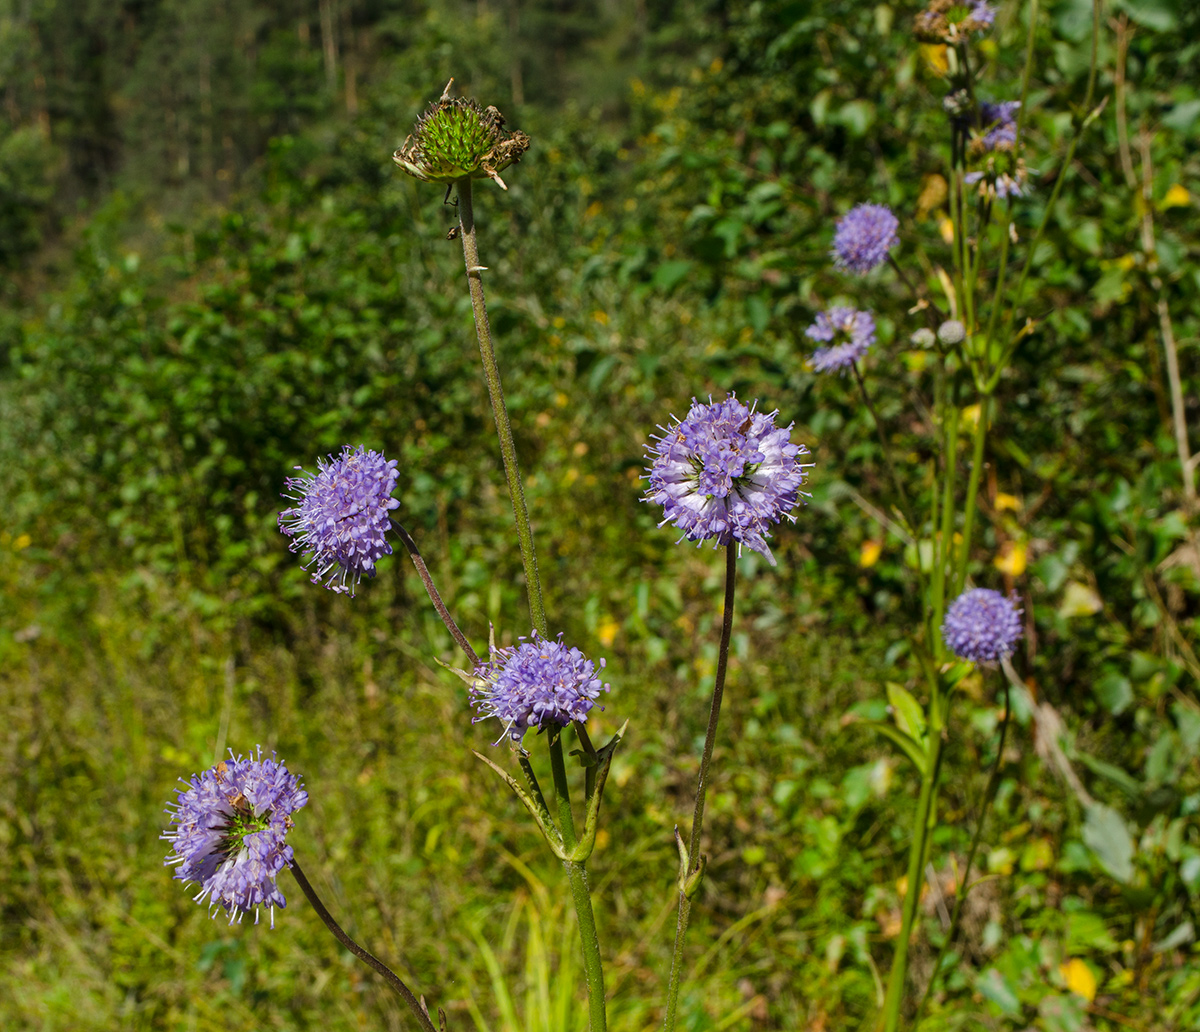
(1177, 197)
(1011, 559)
(937, 57)
(1007, 502)
(607, 631)
(869, 555)
(1079, 978)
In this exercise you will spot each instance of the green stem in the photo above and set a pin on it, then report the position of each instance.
(964, 553)
(710, 737)
(918, 850)
(393, 980)
(577, 876)
(533, 585)
(943, 540)
(593, 967)
(989, 795)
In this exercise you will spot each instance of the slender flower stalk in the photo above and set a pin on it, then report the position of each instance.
(691, 867)
(434, 597)
(393, 980)
(508, 449)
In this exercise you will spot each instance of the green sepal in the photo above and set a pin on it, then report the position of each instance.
(536, 808)
(910, 747)
(604, 756)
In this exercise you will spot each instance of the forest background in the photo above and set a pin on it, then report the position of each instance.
(212, 272)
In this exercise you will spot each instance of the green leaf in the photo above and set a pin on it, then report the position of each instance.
(910, 748)
(1114, 692)
(669, 274)
(1105, 834)
(1183, 116)
(1062, 1013)
(1158, 15)
(906, 710)
(994, 986)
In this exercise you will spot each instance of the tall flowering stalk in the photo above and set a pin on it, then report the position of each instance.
(454, 142)
(727, 474)
(973, 344)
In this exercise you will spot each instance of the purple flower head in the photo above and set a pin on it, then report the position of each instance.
(1000, 125)
(538, 683)
(341, 516)
(725, 472)
(849, 333)
(983, 13)
(982, 625)
(227, 831)
(864, 236)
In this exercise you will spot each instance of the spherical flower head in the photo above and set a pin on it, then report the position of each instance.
(538, 683)
(227, 831)
(849, 334)
(341, 516)
(950, 21)
(982, 625)
(864, 236)
(456, 138)
(725, 472)
(952, 332)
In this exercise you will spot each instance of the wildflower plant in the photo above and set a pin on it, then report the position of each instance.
(727, 472)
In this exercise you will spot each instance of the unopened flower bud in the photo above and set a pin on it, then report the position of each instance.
(952, 332)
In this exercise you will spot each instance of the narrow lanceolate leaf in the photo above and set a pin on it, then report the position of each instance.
(908, 746)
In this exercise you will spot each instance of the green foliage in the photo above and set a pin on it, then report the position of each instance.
(666, 236)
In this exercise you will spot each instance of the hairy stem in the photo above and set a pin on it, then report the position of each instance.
(392, 979)
(580, 894)
(415, 554)
(714, 715)
(964, 554)
(508, 449)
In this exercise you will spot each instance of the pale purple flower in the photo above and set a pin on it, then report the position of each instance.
(227, 831)
(848, 332)
(983, 12)
(725, 472)
(538, 683)
(341, 516)
(999, 124)
(982, 625)
(863, 237)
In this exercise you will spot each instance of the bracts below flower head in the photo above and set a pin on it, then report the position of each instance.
(227, 831)
(725, 472)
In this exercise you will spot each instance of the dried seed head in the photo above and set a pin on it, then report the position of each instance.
(455, 138)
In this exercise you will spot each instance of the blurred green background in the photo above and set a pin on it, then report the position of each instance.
(212, 272)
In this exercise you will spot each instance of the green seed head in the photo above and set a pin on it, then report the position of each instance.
(456, 138)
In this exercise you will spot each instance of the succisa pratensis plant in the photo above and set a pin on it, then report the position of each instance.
(726, 473)
(974, 338)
